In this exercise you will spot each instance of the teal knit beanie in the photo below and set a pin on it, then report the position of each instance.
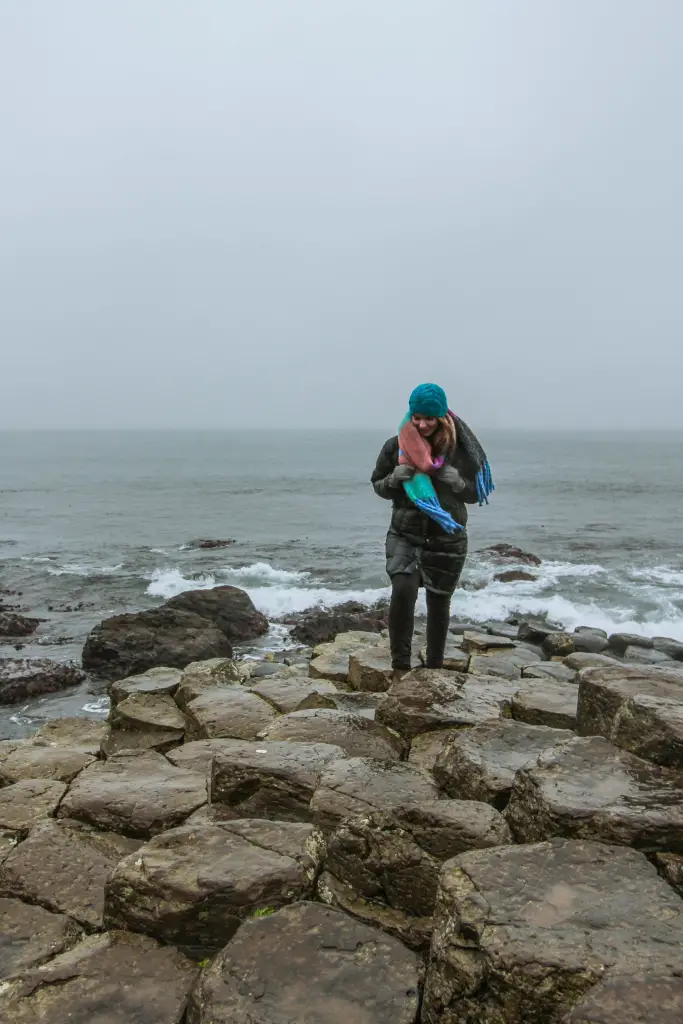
(428, 400)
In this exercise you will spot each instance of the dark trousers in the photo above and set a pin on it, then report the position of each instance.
(404, 589)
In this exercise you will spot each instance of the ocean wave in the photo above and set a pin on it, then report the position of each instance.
(73, 569)
(262, 572)
(169, 582)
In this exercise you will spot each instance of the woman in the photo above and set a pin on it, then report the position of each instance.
(430, 471)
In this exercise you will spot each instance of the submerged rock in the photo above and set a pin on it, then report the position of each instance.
(308, 962)
(320, 626)
(12, 624)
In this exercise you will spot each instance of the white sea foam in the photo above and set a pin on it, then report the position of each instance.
(279, 593)
(74, 569)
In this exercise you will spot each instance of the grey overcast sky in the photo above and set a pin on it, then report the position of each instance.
(273, 212)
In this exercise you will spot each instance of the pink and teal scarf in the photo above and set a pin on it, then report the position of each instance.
(415, 450)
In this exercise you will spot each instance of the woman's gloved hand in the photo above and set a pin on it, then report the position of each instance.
(400, 475)
(450, 476)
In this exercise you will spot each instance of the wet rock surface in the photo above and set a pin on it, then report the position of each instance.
(550, 702)
(360, 785)
(194, 885)
(523, 932)
(295, 694)
(230, 609)
(481, 763)
(230, 712)
(651, 727)
(205, 675)
(356, 735)
(24, 678)
(426, 700)
(127, 645)
(269, 779)
(589, 789)
(370, 669)
(158, 682)
(137, 795)
(144, 721)
(310, 962)
(63, 866)
(32, 760)
(115, 978)
(31, 935)
(604, 689)
(656, 998)
(384, 867)
(25, 804)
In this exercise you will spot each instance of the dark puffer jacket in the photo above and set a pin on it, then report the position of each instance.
(416, 541)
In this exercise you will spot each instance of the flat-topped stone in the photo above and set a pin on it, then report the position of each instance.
(306, 963)
(200, 676)
(559, 645)
(550, 670)
(144, 721)
(643, 656)
(269, 779)
(370, 669)
(508, 664)
(357, 735)
(632, 999)
(31, 935)
(63, 865)
(587, 788)
(582, 660)
(455, 659)
(116, 978)
(651, 727)
(229, 712)
(193, 886)
(603, 690)
(536, 630)
(31, 760)
(156, 681)
(550, 702)
(426, 700)
(295, 694)
(589, 641)
(76, 733)
(362, 785)
(523, 932)
(384, 867)
(481, 763)
(474, 642)
(333, 666)
(351, 640)
(619, 642)
(23, 805)
(134, 794)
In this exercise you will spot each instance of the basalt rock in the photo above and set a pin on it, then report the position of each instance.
(357, 735)
(25, 678)
(31, 935)
(321, 626)
(603, 690)
(228, 608)
(127, 645)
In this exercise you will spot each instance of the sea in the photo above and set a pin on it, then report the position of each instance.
(94, 523)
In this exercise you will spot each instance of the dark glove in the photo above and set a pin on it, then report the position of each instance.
(450, 476)
(400, 475)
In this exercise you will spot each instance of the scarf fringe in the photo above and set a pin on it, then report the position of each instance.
(485, 484)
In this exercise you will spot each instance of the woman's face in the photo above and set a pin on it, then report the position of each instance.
(425, 424)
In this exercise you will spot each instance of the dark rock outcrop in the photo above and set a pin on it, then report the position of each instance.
(127, 645)
(510, 553)
(515, 576)
(229, 609)
(24, 678)
(12, 624)
(319, 627)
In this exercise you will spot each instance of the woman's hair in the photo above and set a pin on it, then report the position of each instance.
(443, 441)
